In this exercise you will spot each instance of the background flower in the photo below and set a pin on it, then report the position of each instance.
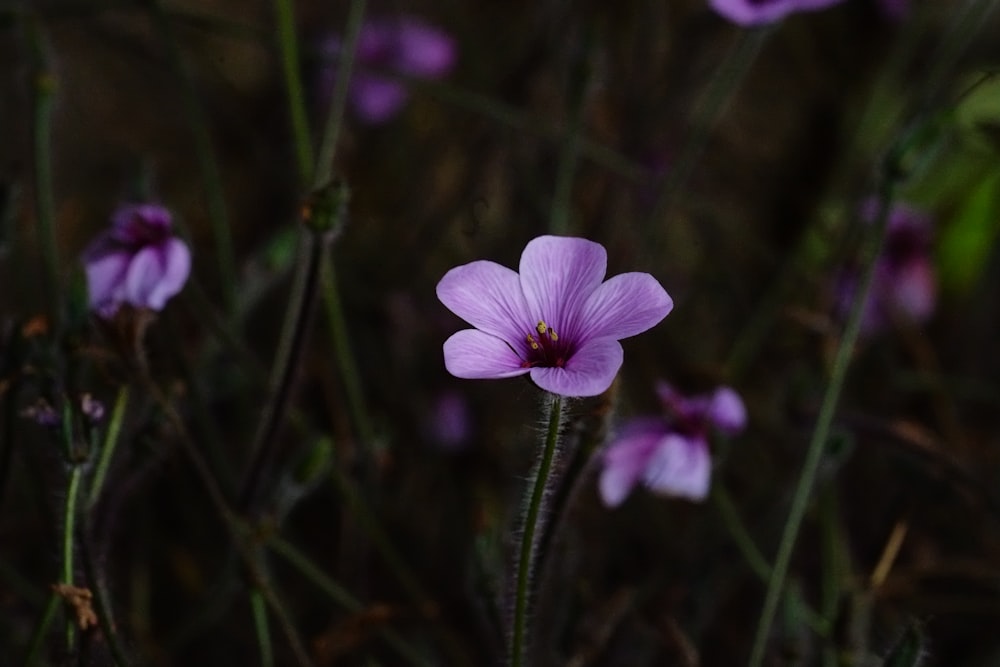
(404, 45)
(558, 319)
(670, 454)
(760, 12)
(137, 262)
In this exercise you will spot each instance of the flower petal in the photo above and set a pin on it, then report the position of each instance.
(473, 355)
(558, 275)
(105, 276)
(625, 305)
(176, 267)
(589, 372)
(488, 296)
(726, 411)
(681, 467)
(913, 290)
(626, 458)
(144, 272)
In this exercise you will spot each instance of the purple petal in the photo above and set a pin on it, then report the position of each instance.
(140, 223)
(144, 273)
(626, 458)
(589, 372)
(375, 99)
(423, 50)
(488, 296)
(680, 467)
(913, 290)
(474, 355)
(105, 276)
(558, 275)
(726, 411)
(625, 305)
(176, 267)
(760, 12)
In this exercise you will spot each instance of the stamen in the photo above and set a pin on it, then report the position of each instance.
(541, 328)
(532, 343)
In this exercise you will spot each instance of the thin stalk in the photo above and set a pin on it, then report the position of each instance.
(751, 554)
(289, 46)
(49, 615)
(814, 454)
(108, 447)
(711, 105)
(339, 594)
(205, 155)
(290, 348)
(44, 89)
(533, 506)
(331, 132)
(72, 493)
(350, 375)
(102, 604)
(259, 606)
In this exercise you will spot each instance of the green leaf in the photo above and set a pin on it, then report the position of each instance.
(966, 242)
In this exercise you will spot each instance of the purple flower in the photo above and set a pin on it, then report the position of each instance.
(450, 423)
(137, 262)
(406, 46)
(670, 454)
(557, 320)
(761, 12)
(904, 283)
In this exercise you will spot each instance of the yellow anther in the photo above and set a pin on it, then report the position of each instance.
(552, 334)
(541, 328)
(532, 342)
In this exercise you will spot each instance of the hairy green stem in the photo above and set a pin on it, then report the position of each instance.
(289, 46)
(205, 155)
(72, 493)
(259, 606)
(108, 447)
(814, 454)
(533, 506)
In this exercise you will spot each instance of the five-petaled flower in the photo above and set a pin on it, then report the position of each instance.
(557, 320)
(137, 262)
(403, 45)
(762, 12)
(904, 284)
(669, 454)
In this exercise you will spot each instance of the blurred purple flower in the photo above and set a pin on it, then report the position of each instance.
(137, 262)
(761, 12)
(404, 45)
(670, 454)
(904, 283)
(557, 320)
(450, 422)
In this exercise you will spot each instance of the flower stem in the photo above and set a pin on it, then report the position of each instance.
(533, 506)
(814, 454)
(44, 88)
(204, 153)
(259, 606)
(108, 448)
(75, 475)
(288, 43)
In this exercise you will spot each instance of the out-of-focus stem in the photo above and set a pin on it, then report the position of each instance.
(814, 454)
(108, 447)
(205, 154)
(259, 606)
(533, 507)
(72, 493)
(44, 94)
(289, 45)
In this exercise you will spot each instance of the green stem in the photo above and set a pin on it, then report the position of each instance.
(101, 603)
(72, 493)
(108, 448)
(335, 117)
(289, 45)
(259, 606)
(712, 104)
(45, 86)
(814, 454)
(35, 646)
(751, 554)
(205, 155)
(528, 543)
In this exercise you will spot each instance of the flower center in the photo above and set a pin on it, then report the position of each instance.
(545, 348)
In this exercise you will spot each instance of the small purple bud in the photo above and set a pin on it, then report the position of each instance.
(91, 408)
